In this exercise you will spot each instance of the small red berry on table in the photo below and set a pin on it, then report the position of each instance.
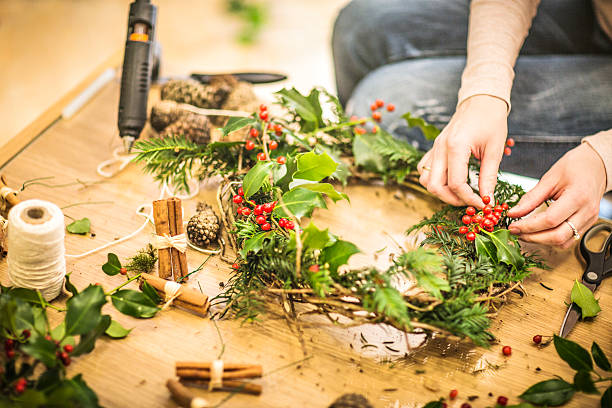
(507, 350)
(123, 271)
(510, 142)
(237, 199)
(486, 199)
(390, 107)
(249, 145)
(466, 219)
(260, 219)
(261, 156)
(379, 103)
(254, 132)
(466, 405)
(273, 145)
(263, 115)
(281, 160)
(266, 227)
(470, 236)
(377, 116)
(537, 339)
(503, 401)
(278, 128)
(507, 151)
(453, 394)
(470, 211)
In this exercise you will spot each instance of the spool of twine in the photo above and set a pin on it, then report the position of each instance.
(36, 247)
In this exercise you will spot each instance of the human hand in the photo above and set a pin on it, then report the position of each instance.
(576, 193)
(479, 128)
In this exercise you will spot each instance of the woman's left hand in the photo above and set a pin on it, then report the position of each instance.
(577, 183)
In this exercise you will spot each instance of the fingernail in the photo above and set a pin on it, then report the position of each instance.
(514, 230)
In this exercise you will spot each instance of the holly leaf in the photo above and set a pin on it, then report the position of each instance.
(88, 340)
(583, 382)
(314, 238)
(338, 254)
(583, 297)
(485, 248)
(150, 291)
(73, 392)
(365, 154)
(505, 251)
(83, 310)
(80, 227)
(41, 349)
(573, 354)
(30, 398)
(116, 331)
(291, 167)
(299, 201)
(301, 104)
(256, 177)
(70, 287)
(600, 358)
(429, 131)
(254, 244)
(134, 303)
(606, 398)
(236, 123)
(112, 265)
(324, 188)
(550, 392)
(314, 167)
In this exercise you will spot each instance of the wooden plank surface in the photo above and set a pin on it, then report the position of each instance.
(132, 372)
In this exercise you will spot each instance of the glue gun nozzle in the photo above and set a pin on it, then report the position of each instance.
(128, 142)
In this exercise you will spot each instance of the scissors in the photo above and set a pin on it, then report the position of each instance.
(598, 267)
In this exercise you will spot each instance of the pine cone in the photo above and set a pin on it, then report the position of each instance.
(163, 113)
(191, 125)
(202, 228)
(351, 401)
(194, 93)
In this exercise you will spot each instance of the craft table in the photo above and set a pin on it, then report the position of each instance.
(132, 372)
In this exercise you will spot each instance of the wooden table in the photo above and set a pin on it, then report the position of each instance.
(132, 372)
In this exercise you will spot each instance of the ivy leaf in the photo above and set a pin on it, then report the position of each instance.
(606, 398)
(254, 244)
(324, 188)
(506, 253)
(314, 238)
(429, 131)
(485, 248)
(83, 310)
(80, 227)
(256, 177)
(41, 349)
(134, 303)
(583, 382)
(299, 201)
(600, 358)
(365, 154)
(112, 265)
(550, 392)
(302, 105)
(573, 354)
(314, 167)
(69, 286)
(88, 340)
(116, 331)
(338, 254)
(150, 292)
(236, 123)
(583, 297)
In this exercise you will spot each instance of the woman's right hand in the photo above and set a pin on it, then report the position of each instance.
(479, 127)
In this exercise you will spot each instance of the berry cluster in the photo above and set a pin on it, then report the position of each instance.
(376, 115)
(260, 212)
(255, 139)
(486, 219)
(509, 145)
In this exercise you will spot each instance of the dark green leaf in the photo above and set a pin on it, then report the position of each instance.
(429, 131)
(256, 177)
(29, 399)
(24, 318)
(70, 287)
(73, 393)
(506, 252)
(365, 154)
(606, 398)
(583, 297)
(150, 291)
(600, 358)
(300, 201)
(116, 330)
(324, 188)
(434, 404)
(83, 310)
(338, 254)
(134, 303)
(302, 106)
(485, 248)
(520, 405)
(550, 392)
(583, 382)
(81, 226)
(314, 167)
(48, 379)
(112, 265)
(314, 238)
(236, 123)
(291, 166)
(88, 340)
(254, 244)
(573, 354)
(27, 295)
(40, 348)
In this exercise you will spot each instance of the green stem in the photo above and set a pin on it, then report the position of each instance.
(133, 278)
(340, 126)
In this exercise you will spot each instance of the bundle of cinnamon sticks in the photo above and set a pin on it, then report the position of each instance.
(188, 298)
(168, 217)
(200, 374)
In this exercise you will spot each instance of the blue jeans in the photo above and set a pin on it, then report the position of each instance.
(412, 53)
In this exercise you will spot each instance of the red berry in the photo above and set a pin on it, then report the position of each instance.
(463, 230)
(486, 199)
(263, 115)
(477, 219)
(240, 191)
(354, 118)
(390, 107)
(66, 361)
(249, 145)
(21, 380)
(466, 219)
(470, 211)
(10, 353)
(466, 405)
(507, 151)
(48, 338)
(8, 344)
(289, 225)
(237, 199)
(373, 106)
(282, 222)
(510, 142)
(270, 126)
(504, 206)
(63, 355)
(453, 394)
(269, 207)
(487, 210)
(487, 224)
(379, 103)
(261, 156)
(263, 107)
(278, 128)
(313, 268)
(281, 160)
(537, 339)
(476, 229)
(375, 129)
(235, 265)
(444, 405)
(273, 145)
(68, 348)
(260, 219)
(360, 130)
(507, 350)
(377, 116)
(258, 210)
(470, 236)
(266, 227)
(123, 271)
(254, 132)
(503, 401)
(20, 386)
(246, 212)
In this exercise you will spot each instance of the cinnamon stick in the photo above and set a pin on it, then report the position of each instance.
(196, 365)
(162, 227)
(228, 386)
(180, 394)
(205, 374)
(179, 259)
(188, 298)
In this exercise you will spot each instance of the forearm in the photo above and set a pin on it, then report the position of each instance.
(497, 30)
(602, 144)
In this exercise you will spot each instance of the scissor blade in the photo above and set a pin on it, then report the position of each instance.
(570, 320)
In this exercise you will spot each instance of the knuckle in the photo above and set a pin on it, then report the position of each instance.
(549, 219)
(559, 238)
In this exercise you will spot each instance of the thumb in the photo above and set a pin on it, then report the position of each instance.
(489, 166)
(532, 199)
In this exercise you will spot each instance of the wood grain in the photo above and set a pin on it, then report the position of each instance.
(133, 371)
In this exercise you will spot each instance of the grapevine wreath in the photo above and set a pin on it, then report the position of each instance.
(282, 168)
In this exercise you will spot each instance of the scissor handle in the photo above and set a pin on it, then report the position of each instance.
(596, 267)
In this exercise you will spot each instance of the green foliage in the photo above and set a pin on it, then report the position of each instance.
(144, 260)
(314, 167)
(236, 123)
(80, 227)
(600, 358)
(300, 202)
(253, 15)
(116, 331)
(112, 266)
(423, 264)
(134, 303)
(551, 392)
(429, 131)
(256, 177)
(583, 298)
(338, 254)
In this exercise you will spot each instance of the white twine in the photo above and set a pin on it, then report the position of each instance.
(36, 257)
(198, 402)
(179, 242)
(172, 290)
(216, 375)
